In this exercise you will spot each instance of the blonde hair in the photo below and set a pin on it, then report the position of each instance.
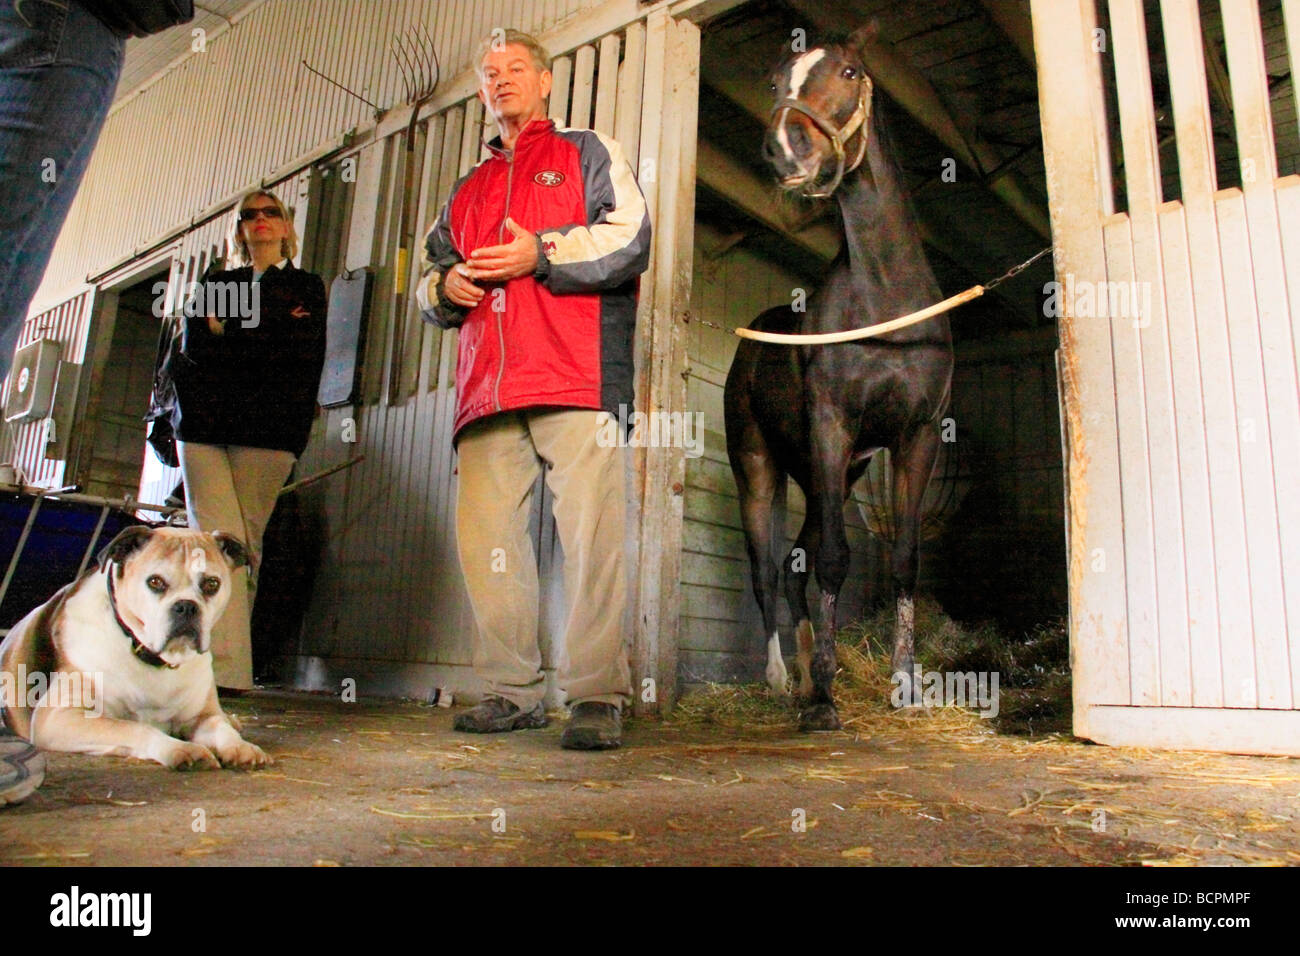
(239, 248)
(503, 38)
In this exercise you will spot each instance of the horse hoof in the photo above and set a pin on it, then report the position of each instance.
(820, 717)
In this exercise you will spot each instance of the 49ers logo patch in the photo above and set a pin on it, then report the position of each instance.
(549, 177)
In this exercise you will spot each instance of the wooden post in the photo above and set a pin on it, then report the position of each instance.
(1070, 98)
(668, 137)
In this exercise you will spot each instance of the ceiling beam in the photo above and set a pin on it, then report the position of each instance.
(1012, 18)
(755, 197)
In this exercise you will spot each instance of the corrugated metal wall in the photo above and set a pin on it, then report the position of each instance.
(25, 442)
(247, 106)
(388, 607)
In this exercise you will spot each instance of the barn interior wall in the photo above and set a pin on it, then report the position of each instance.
(210, 125)
(369, 552)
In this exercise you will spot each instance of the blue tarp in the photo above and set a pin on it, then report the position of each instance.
(54, 548)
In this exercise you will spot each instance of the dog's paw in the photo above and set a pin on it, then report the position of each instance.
(186, 755)
(245, 755)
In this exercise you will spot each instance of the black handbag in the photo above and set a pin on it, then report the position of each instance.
(140, 18)
(162, 402)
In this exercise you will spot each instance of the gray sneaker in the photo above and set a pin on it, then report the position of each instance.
(496, 714)
(593, 726)
(22, 767)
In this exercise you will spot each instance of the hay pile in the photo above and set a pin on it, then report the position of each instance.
(1033, 675)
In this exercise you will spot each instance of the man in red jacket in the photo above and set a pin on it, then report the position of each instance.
(535, 258)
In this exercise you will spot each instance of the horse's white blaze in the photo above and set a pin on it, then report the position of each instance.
(802, 67)
(798, 76)
(776, 673)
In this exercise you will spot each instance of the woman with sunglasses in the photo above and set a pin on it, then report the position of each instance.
(246, 399)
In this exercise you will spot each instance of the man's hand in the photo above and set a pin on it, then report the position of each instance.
(514, 259)
(216, 326)
(458, 287)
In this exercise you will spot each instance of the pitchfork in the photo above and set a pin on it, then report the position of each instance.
(418, 61)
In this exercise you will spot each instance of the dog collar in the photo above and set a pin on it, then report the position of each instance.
(138, 649)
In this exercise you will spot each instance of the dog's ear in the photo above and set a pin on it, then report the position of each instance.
(235, 551)
(128, 542)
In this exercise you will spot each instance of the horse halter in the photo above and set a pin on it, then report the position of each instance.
(838, 137)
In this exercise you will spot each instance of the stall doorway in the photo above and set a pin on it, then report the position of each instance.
(113, 430)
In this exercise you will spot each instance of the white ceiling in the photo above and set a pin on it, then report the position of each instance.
(147, 56)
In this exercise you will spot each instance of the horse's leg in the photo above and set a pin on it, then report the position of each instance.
(913, 462)
(796, 593)
(831, 444)
(757, 480)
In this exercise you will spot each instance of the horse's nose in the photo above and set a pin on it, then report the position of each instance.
(800, 143)
(772, 151)
(791, 147)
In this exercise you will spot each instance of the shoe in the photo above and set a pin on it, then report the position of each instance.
(22, 767)
(593, 725)
(494, 715)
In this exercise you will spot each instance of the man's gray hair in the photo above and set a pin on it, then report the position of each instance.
(501, 38)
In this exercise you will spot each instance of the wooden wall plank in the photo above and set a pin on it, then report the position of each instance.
(1198, 728)
(627, 112)
(1242, 672)
(1288, 208)
(645, 584)
(607, 85)
(1147, 315)
(1076, 155)
(474, 136)
(1281, 426)
(561, 79)
(430, 205)
(584, 66)
(1137, 522)
(1250, 100)
(1196, 165)
(1202, 624)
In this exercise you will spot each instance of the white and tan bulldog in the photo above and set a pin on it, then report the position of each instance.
(118, 661)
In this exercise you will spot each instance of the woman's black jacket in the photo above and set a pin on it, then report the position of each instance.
(256, 383)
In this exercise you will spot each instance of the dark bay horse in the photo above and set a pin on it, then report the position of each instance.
(818, 413)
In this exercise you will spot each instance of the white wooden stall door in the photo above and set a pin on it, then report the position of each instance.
(1178, 351)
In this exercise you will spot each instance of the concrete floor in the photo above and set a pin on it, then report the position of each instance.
(391, 783)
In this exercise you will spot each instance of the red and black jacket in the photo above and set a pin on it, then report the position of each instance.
(563, 336)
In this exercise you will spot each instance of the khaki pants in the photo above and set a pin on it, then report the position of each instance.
(500, 459)
(233, 489)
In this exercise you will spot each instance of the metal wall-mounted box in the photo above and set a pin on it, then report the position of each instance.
(32, 380)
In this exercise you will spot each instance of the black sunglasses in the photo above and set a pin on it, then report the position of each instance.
(248, 215)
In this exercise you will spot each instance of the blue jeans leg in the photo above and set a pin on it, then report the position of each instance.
(59, 67)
